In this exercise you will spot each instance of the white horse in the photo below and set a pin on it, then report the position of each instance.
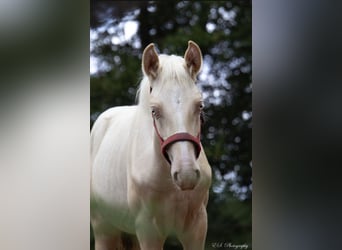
(150, 176)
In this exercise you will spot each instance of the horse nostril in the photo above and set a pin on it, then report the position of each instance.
(175, 176)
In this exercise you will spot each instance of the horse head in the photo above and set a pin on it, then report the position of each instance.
(175, 104)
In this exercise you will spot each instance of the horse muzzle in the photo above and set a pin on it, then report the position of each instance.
(186, 179)
(185, 171)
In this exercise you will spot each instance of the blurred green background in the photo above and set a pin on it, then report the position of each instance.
(119, 31)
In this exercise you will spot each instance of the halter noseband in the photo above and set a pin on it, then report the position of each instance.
(182, 136)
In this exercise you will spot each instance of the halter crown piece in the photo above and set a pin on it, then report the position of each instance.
(182, 136)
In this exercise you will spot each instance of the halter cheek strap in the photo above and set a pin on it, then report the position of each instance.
(183, 136)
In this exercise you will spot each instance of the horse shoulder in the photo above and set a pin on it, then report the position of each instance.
(109, 138)
(111, 118)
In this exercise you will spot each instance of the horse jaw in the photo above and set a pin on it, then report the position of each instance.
(185, 170)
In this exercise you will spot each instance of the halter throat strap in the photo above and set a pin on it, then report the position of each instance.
(182, 136)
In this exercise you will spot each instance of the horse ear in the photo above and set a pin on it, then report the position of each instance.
(150, 61)
(193, 59)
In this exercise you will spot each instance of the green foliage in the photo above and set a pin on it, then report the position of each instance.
(223, 31)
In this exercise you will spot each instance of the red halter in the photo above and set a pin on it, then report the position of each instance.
(183, 136)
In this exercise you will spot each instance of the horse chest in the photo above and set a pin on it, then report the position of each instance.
(177, 210)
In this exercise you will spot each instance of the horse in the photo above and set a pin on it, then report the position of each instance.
(150, 177)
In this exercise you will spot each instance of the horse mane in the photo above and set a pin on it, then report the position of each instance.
(172, 70)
